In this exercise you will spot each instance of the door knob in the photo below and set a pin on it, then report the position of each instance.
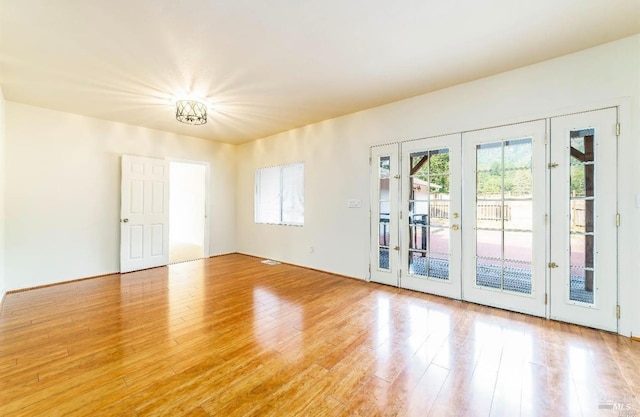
(553, 265)
(455, 227)
(125, 220)
(396, 248)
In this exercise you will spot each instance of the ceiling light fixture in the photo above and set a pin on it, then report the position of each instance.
(191, 112)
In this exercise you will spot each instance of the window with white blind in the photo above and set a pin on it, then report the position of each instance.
(279, 195)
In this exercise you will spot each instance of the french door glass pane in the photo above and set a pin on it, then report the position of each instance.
(504, 215)
(518, 214)
(428, 208)
(418, 237)
(439, 266)
(577, 289)
(384, 209)
(439, 240)
(517, 183)
(433, 265)
(579, 187)
(518, 246)
(517, 276)
(384, 234)
(579, 244)
(489, 272)
(488, 185)
(582, 201)
(489, 244)
(581, 214)
(439, 212)
(489, 157)
(418, 263)
(490, 214)
(517, 154)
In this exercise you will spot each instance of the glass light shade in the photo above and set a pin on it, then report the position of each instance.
(191, 112)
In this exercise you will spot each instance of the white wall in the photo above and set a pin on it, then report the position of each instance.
(336, 153)
(2, 193)
(63, 191)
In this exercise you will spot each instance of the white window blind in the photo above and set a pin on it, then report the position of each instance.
(268, 195)
(279, 195)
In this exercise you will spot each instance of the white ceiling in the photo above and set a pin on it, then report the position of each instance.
(270, 66)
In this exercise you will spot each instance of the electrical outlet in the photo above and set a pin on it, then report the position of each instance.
(354, 203)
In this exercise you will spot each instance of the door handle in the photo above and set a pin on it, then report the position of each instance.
(125, 220)
(396, 248)
(455, 227)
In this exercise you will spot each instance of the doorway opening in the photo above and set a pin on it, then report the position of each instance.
(187, 211)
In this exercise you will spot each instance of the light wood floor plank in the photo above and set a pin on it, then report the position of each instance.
(231, 336)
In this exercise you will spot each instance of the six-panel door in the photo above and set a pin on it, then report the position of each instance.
(144, 213)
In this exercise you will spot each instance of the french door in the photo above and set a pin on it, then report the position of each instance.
(430, 220)
(504, 212)
(419, 242)
(385, 249)
(521, 217)
(583, 216)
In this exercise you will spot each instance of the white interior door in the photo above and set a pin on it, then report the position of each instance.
(503, 221)
(583, 248)
(385, 248)
(144, 213)
(430, 224)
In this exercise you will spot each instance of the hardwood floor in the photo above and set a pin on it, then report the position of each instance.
(230, 336)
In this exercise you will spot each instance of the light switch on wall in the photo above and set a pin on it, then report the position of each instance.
(354, 203)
